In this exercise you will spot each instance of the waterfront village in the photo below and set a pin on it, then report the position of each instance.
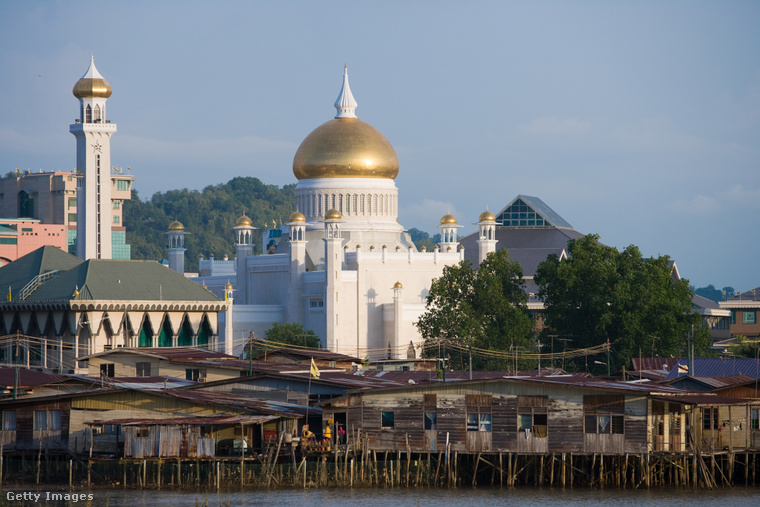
(137, 374)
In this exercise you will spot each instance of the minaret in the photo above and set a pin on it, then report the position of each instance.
(333, 269)
(297, 225)
(93, 132)
(228, 320)
(243, 248)
(448, 229)
(398, 316)
(176, 247)
(486, 235)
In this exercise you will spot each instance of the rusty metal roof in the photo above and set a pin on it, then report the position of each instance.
(168, 353)
(238, 401)
(702, 399)
(27, 378)
(664, 364)
(191, 420)
(300, 353)
(419, 377)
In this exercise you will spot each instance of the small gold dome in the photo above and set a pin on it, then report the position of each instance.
(333, 214)
(92, 84)
(345, 148)
(228, 286)
(398, 285)
(448, 219)
(487, 216)
(92, 87)
(297, 216)
(176, 226)
(243, 221)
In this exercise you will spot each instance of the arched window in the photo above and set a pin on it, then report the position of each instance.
(146, 334)
(96, 116)
(88, 114)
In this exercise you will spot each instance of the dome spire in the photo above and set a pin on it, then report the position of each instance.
(345, 104)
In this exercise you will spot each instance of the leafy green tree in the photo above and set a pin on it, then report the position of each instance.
(600, 293)
(485, 308)
(423, 239)
(745, 347)
(292, 333)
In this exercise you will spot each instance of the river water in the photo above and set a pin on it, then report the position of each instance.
(371, 497)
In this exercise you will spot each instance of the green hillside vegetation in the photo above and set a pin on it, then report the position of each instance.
(208, 216)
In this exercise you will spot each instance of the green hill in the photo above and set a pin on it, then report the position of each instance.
(208, 216)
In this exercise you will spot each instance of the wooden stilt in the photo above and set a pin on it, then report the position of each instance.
(501, 471)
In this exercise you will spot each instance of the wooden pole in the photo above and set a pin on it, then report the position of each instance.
(501, 471)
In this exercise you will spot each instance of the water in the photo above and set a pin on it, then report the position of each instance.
(373, 497)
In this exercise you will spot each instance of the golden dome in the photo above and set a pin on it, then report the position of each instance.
(487, 216)
(297, 216)
(398, 285)
(243, 221)
(333, 214)
(345, 148)
(448, 219)
(89, 87)
(228, 286)
(92, 84)
(176, 226)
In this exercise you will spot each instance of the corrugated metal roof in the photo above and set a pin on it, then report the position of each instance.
(721, 382)
(719, 367)
(191, 420)
(702, 399)
(169, 353)
(664, 364)
(309, 353)
(703, 302)
(418, 377)
(27, 378)
(240, 402)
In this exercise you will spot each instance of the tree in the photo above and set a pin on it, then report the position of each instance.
(485, 308)
(599, 293)
(292, 333)
(423, 239)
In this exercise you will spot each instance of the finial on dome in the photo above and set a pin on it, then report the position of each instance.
(345, 104)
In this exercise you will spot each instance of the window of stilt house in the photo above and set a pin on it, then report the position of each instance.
(479, 412)
(431, 412)
(604, 414)
(532, 415)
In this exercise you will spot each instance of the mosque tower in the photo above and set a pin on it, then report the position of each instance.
(93, 132)
(176, 247)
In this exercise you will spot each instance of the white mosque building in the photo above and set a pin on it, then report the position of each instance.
(344, 266)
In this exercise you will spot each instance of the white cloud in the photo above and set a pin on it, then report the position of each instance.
(554, 126)
(698, 205)
(742, 197)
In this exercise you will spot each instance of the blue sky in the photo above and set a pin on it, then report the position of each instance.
(636, 120)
